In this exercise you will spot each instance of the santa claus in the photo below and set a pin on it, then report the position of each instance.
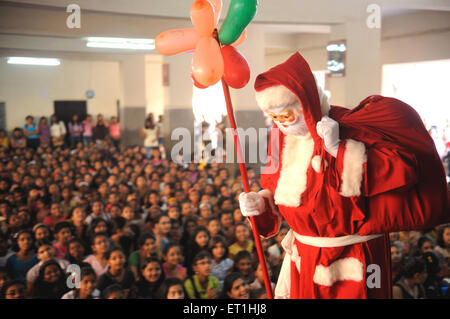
(343, 180)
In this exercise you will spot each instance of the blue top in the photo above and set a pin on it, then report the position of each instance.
(18, 269)
(31, 129)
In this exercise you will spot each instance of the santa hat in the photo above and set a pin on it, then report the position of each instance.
(272, 96)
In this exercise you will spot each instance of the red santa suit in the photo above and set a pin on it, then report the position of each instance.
(341, 208)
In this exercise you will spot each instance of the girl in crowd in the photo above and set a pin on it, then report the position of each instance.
(77, 217)
(31, 132)
(87, 289)
(118, 274)
(76, 252)
(14, 289)
(57, 131)
(172, 265)
(147, 249)
(172, 288)
(410, 286)
(443, 241)
(51, 282)
(161, 230)
(88, 126)
(221, 264)
(200, 243)
(100, 247)
(19, 263)
(149, 134)
(152, 277)
(114, 131)
(242, 240)
(75, 130)
(44, 132)
(235, 286)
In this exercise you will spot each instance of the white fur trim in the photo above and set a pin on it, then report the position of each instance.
(324, 102)
(297, 153)
(352, 173)
(275, 96)
(342, 269)
(315, 163)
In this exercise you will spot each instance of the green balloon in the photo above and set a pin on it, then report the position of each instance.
(239, 15)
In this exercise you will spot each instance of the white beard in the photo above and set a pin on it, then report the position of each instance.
(297, 128)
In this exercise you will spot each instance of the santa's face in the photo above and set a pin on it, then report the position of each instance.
(290, 119)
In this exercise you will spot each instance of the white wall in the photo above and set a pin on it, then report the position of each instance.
(31, 90)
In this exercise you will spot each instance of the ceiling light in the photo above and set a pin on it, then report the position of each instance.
(33, 61)
(120, 43)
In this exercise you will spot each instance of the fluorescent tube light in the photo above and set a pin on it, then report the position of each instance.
(121, 43)
(33, 61)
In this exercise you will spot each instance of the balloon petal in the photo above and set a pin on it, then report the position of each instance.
(202, 16)
(207, 64)
(217, 5)
(236, 70)
(174, 41)
(239, 15)
(241, 38)
(195, 82)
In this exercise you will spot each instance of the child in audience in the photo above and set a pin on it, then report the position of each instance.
(221, 264)
(242, 240)
(202, 285)
(152, 277)
(172, 288)
(87, 289)
(51, 282)
(100, 248)
(19, 263)
(118, 274)
(63, 234)
(147, 249)
(172, 266)
(235, 286)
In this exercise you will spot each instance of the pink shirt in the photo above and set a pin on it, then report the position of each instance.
(114, 130)
(87, 128)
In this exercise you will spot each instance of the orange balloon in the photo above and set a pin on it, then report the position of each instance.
(195, 82)
(241, 38)
(174, 41)
(207, 63)
(202, 16)
(217, 5)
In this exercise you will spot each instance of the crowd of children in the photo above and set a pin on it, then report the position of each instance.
(87, 220)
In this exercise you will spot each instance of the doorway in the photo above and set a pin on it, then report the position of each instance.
(64, 110)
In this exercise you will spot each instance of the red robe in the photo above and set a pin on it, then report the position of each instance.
(386, 177)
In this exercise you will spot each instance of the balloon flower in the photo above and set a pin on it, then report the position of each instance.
(216, 58)
(215, 54)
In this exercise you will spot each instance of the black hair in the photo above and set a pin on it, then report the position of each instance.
(45, 290)
(169, 246)
(413, 265)
(170, 282)
(201, 255)
(61, 225)
(112, 289)
(424, 239)
(9, 284)
(109, 253)
(143, 238)
(440, 235)
(243, 254)
(119, 222)
(43, 242)
(228, 284)
(99, 234)
(219, 239)
(16, 238)
(97, 221)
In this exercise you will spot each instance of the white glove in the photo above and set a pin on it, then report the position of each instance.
(328, 129)
(251, 204)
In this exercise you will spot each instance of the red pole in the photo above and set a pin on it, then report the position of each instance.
(243, 169)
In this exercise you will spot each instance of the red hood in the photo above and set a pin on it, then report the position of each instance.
(295, 74)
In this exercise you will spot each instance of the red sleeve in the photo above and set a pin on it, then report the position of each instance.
(268, 223)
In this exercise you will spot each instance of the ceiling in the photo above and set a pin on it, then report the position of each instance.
(39, 27)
